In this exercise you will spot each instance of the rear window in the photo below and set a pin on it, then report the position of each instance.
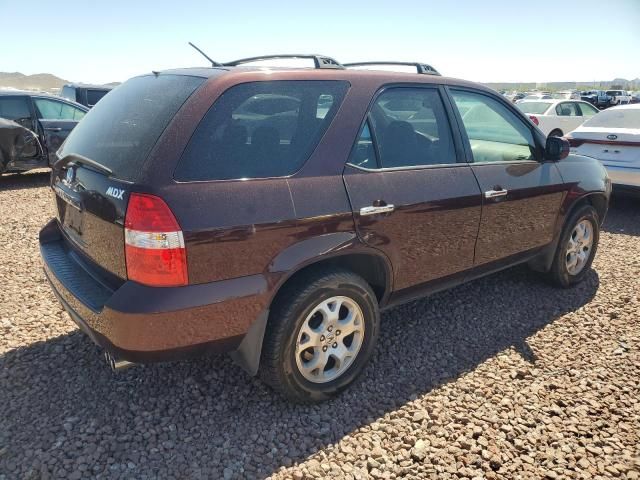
(94, 95)
(121, 129)
(534, 107)
(616, 118)
(261, 129)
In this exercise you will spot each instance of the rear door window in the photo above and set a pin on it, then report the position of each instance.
(261, 129)
(567, 109)
(411, 129)
(120, 131)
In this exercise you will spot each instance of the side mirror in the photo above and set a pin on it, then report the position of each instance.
(557, 148)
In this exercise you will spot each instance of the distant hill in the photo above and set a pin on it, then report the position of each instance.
(40, 81)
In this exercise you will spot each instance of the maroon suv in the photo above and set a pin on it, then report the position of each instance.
(272, 212)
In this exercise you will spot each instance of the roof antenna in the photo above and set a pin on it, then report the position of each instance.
(213, 63)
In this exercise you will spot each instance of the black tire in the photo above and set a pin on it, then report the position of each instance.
(559, 274)
(278, 366)
(555, 133)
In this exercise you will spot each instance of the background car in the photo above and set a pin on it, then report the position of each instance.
(535, 96)
(619, 97)
(566, 95)
(19, 146)
(50, 118)
(84, 94)
(597, 98)
(557, 117)
(613, 137)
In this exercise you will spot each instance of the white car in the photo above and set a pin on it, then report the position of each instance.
(557, 117)
(613, 137)
(619, 97)
(566, 95)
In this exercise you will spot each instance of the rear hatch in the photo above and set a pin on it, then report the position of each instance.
(101, 161)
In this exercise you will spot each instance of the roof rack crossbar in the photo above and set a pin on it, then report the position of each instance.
(319, 61)
(421, 68)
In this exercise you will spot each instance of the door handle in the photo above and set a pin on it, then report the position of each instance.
(53, 129)
(364, 211)
(495, 193)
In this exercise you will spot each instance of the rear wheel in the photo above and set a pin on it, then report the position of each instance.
(556, 133)
(321, 333)
(576, 248)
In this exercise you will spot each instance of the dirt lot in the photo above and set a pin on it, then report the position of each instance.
(505, 377)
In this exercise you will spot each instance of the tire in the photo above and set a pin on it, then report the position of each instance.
(561, 273)
(283, 360)
(555, 133)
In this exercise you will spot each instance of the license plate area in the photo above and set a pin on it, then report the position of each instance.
(70, 214)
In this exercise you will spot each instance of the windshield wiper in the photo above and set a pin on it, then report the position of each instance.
(75, 158)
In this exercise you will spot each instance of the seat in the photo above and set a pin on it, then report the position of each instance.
(265, 150)
(399, 145)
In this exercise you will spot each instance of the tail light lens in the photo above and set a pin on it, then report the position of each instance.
(534, 119)
(154, 245)
(574, 142)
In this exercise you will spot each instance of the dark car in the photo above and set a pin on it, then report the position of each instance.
(189, 223)
(84, 94)
(597, 98)
(49, 118)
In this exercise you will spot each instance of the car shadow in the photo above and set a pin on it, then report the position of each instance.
(195, 418)
(21, 181)
(623, 216)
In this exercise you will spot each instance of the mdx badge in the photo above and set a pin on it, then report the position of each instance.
(115, 192)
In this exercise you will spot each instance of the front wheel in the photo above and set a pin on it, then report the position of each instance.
(321, 333)
(576, 248)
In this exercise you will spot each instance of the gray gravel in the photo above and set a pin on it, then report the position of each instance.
(505, 377)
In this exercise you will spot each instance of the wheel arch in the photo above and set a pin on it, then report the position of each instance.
(370, 264)
(598, 200)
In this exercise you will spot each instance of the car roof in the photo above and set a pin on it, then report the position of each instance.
(30, 93)
(26, 92)
(297, 73)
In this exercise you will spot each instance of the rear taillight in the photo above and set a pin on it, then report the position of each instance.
(154, 245)
(574, 142)
(534, 119)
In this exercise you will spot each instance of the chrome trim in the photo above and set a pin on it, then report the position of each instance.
(495, 193)
(364, 211)
(409, 167)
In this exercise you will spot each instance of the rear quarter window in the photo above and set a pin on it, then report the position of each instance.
(120, 131)
(260, 129)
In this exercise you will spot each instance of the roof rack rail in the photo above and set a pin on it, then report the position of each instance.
(319, 61)
(421, 68)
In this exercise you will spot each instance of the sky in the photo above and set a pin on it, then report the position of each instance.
(483, 41)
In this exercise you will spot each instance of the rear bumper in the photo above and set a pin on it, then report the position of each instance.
(146, 324)
(623, 176)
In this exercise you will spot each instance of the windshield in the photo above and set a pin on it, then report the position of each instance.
(121, 129)
(534, 107)
(616, 118)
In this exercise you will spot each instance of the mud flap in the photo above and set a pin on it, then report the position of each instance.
(248, 353)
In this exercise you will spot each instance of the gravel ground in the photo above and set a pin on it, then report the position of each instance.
(505, 377)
